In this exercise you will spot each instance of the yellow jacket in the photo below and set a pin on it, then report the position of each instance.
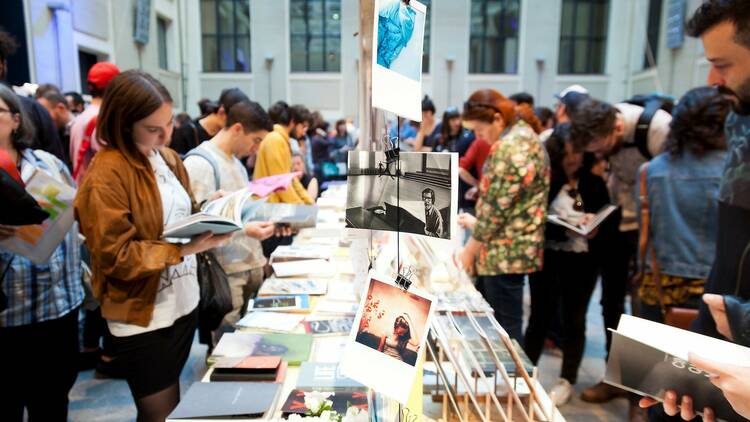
(275, 157)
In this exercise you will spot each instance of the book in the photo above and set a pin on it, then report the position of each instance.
(483, 356)
(37, 242)
(212, 400)
(584, 230)
(341, 401)
(648, 358)
(289, 303)
(317, 267)
(267, 185)
(327, 306)
(329, 349)
(293, 348)
(293, 286)
(249, 368)
(271, 321)
(321, 327)
(324, 376)
(294, 216)
(287, 253)
(224, 215)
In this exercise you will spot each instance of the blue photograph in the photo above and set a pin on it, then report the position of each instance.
(400, 35)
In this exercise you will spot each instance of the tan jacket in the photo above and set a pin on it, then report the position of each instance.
(119, 210)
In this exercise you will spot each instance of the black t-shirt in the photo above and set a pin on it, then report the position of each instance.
(188, 136)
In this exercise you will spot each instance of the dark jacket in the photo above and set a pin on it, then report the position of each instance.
(594, 195)
(46, 136)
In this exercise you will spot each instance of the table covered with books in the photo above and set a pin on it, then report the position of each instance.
(285, 358)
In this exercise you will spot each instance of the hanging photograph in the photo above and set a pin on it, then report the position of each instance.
(388, 337)
(398, 43)
(417, 193)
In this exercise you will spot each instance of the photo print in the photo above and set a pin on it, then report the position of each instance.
(388, 337)
(397, 50)
(417, 195)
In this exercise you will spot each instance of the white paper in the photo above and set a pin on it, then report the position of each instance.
(383, 306)
(326, 306)
(292, 286)
(236, 344)
(271, 321)
(397, 57)
(301, 268)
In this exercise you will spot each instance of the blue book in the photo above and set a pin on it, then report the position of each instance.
(324, 376)
(287, 303)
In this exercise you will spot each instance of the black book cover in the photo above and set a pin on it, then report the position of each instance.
(648, 371)
(342, 400)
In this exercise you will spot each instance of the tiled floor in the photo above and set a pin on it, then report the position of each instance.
(95, 400)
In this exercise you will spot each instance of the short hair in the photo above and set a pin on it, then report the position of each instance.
(230, 97)
(8, 45)
(300, 114)
(714, 12)
(522, 98)
(280, 113)
(250, 115)
(42, 89)
(485, 103)
(77, 98)
(131, 96)
(54, 98)
(592, 119)
(698, 122)
(545, 114)
(23, 136)
(427, 104)
(430, 191)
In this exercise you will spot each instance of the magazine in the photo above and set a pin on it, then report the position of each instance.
(267, 185)
(592, 225)
(293, 286)
(37, 242)
(220, 216)
(295, 216)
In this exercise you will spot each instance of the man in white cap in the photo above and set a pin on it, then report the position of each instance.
(567, 100)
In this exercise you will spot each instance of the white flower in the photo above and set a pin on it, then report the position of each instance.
(354, 414)
(315, 401)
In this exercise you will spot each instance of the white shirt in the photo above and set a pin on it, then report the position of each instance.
(242, 253)
(178, 293)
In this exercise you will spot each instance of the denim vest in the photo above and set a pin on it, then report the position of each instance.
(683, 197)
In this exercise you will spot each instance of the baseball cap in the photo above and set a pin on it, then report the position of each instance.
(573, 88)
(101, 73)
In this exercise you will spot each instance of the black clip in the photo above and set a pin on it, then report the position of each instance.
(404, 280)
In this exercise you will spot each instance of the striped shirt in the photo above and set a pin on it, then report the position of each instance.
(39, 293)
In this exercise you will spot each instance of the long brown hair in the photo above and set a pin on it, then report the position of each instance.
(485, 103)
(131, 96)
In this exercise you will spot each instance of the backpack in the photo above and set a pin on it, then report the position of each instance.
(200, 152)
(651, 103)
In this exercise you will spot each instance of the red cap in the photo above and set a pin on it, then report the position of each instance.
(101, 73)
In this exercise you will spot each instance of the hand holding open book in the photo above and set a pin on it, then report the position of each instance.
(586, 227)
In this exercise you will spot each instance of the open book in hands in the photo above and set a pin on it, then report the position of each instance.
(220, 216)
(590, 226)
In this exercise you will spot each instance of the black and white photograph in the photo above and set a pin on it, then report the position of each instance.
(398, 48)
(389, 334)
(417, 193)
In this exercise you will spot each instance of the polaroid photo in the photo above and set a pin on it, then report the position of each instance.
(388, 338)
(417, 195)
(398, 44)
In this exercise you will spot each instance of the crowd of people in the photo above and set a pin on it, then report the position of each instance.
(679, 238)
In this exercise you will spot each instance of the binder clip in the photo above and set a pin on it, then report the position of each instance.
(391, 157)
(404, 280)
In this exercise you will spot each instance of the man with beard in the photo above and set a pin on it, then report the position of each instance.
(724, 28)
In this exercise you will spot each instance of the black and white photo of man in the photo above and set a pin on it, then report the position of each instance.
(433, 221)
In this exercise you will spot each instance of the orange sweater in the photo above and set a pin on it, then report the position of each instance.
(275, 157)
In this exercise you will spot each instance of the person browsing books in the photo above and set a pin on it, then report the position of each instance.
(570, 272)
(507, 242)
(215, 166)
(41, 301)
(147, 286)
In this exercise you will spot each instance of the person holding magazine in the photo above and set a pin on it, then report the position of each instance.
(215, 166)
(147, 286)
(41, 301)
(570, 272)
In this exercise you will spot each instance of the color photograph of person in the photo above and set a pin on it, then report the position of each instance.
(400, 38)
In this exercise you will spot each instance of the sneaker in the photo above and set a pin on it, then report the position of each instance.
(602, 393)
(561, 392)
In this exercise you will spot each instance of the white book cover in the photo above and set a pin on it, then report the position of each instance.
(220, 216)
(592, 225)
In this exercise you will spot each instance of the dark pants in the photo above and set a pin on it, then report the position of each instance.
(40, 366)
(617, 264)
(569, 279)
(504, 293)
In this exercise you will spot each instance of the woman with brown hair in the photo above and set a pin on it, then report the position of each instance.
(508, 231)
(147, 286)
